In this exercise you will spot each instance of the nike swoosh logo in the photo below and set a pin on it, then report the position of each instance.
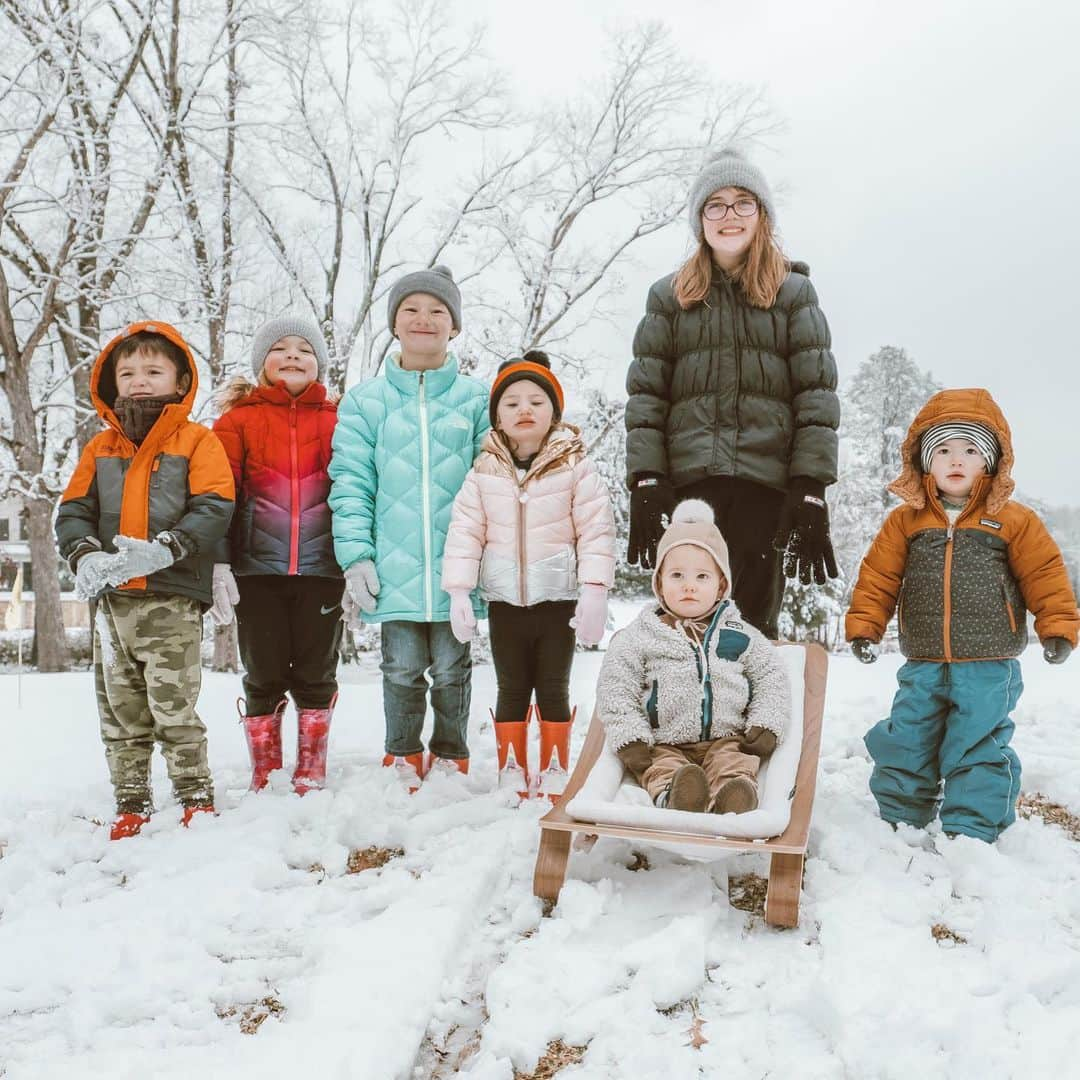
(327, 610)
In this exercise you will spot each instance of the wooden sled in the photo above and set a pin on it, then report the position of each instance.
(787, 850)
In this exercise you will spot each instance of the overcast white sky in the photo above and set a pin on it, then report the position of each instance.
(931, 167)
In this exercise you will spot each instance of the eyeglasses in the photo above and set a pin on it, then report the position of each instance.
(717, 209)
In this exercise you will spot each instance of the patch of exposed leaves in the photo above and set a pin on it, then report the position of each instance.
(251, 1016)
(940, 932)
(640, 861)
(371, 858)
(747, 893)
(1038, 805)
(556, 1058)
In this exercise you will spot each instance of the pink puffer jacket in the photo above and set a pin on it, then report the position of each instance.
(531, 540)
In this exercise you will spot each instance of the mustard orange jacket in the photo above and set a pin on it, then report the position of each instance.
(177, 479)
(961, 591)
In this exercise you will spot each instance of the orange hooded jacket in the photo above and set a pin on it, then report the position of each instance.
(960, 591)
(178, 479)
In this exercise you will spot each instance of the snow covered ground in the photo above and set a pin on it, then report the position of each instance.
(138, 959)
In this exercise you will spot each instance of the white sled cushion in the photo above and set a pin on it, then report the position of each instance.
(610, 796)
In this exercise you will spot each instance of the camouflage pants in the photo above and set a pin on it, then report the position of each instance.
(147, 673)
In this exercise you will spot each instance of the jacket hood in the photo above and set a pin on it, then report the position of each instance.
(974, 405)
(103, 382)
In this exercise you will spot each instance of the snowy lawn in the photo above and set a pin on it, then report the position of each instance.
(159, 956)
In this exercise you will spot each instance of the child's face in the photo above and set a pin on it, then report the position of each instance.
(690, 581)
(955, 466)
(291, 362)
(146, 373)
(525, 415)
(424, 326)
(729, 236)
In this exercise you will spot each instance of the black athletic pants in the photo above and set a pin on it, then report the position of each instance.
(289, 629)
(747, 515)
(533, 648)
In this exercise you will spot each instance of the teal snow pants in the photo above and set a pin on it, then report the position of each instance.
(951, 723)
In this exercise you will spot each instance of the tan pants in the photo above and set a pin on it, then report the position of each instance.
(720, 758)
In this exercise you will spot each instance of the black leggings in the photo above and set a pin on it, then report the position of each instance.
(747, 515)
(533, 648)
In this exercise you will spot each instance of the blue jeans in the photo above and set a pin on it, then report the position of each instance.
(951, 723)
(409, 649)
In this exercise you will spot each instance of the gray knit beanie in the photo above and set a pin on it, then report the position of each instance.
(728, 169)
(436, 281)
(286, 326)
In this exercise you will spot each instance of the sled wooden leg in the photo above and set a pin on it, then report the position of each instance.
(551, 862)
(785, 884)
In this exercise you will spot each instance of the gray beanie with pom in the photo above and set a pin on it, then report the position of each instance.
(728, 169)
(436, 281)
(286, 326)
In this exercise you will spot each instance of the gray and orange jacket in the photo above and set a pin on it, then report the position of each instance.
(178, 480)
(960, 591)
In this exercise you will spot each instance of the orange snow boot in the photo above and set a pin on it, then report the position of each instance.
(554, 768)
(512, 747)
(126, 825)
(409, 769)
(451, 765)
(191, 811)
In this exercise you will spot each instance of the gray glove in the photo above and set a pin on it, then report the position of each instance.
(225, 594)
(96, 570)
(363, 584)
(141, 558)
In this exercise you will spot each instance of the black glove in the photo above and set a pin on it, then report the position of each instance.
(1056, 650)
(758, 741)
(651, 497)
(803, 532)
(866, 651)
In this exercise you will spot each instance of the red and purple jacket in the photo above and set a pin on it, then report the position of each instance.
(279, 451)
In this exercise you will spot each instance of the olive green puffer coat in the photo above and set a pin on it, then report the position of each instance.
(728, 389)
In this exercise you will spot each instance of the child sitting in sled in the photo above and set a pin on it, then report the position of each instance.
(691, 696)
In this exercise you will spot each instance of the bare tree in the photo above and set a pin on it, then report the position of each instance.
(375, 101)
(615, 165)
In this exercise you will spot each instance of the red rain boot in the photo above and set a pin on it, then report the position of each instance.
(554, 757)
(127, 825)
(191, 811)
(451, 765)
(512, 746)
(409, 769)
(263, 735)
(312, 735)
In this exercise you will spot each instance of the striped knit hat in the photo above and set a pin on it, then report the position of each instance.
(979, 434)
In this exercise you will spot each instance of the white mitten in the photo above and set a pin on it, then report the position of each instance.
(590, 615)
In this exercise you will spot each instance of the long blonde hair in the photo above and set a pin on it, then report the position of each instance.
(759, 275)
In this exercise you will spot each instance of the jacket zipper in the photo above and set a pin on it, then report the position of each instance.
(294, 508)
(947, 627)
(523, 585)
(425, 499)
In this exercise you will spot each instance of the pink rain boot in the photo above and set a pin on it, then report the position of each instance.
(312, 736)
(263, 735)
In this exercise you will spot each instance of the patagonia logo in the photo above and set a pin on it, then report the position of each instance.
(992, 524)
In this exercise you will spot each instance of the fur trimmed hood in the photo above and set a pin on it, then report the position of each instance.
(974, 405)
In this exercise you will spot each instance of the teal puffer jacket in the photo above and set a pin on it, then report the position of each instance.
(728, 389)
(403, 445)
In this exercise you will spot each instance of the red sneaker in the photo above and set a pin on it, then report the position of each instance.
(127, 825)
(409, 769)
(191, 811)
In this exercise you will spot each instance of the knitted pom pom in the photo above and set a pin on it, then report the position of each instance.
(693, 511)
(537, 356)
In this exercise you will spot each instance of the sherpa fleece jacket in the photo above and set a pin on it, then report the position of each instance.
(657, 686)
